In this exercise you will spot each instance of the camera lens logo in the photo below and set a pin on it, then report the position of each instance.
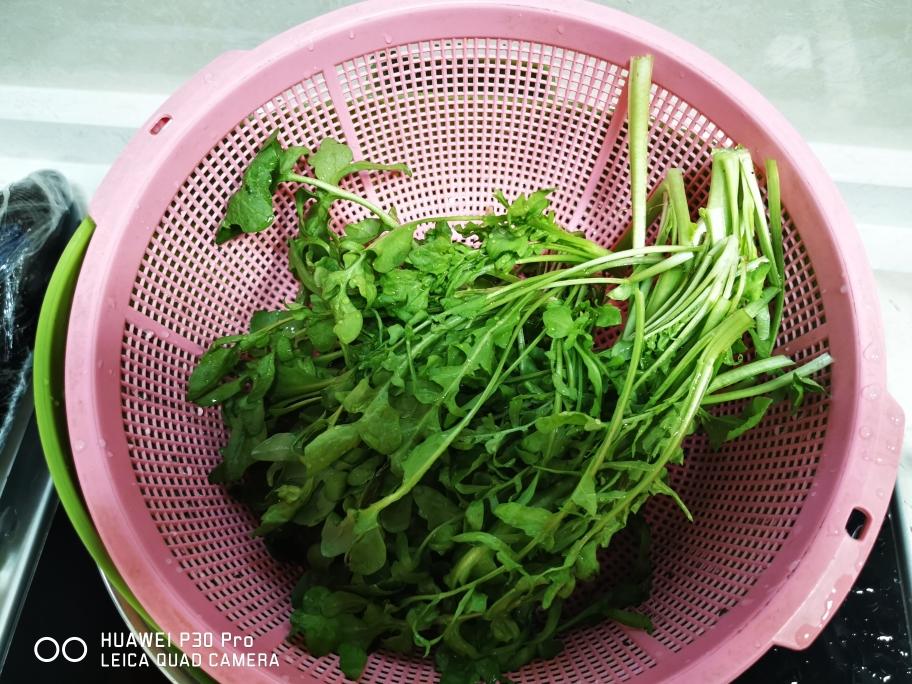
(48, 649)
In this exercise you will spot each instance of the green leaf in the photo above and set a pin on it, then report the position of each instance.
(330, 159)
(529, 519)
(277, 448)
(397, 516)
(319, 632)
(607, 316)
(211, 368)
(348, 319)
(630, 619)
(330, 445)
(352, 660)
(587, 565)
(264, 376)
(621, 292)
(505, 554)
(367, 553)
(288, 160)
(434, 506)
(358, 399)
(321, 334)
(277, 514)
(474, 515)
(364, 230)
(503, 240)
(379, 426)
(550, 423)
(250, 208)
(362, 473)
(504, 629)
(338, 602)
(338, 535)
(223, 392)
(424, 454)
(558, 320)
(318, 508)
(660, 487)
(584, 495)
(392, 249)
(725, 428)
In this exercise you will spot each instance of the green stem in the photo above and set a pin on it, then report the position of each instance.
(545, 258)
(749, 370)
(370, 513)
(283, 410)
(638, 141)
(616, 420)
(728, 332)
(807, 369)
(448, 219)
(336, 191)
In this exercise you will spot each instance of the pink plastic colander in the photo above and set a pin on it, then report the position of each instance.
(474, 96)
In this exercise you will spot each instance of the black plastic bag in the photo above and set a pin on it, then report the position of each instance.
(37, 216)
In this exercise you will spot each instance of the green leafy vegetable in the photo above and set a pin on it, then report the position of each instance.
(430, 427)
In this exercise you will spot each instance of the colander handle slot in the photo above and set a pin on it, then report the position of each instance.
(833, 562)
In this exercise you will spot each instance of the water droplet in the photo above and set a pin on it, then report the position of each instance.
(99, 363)
(879, 461)
(892, 448)
(47, 381)
(110, 302)
(110, 371)
(561, 29)
(792, 566)
(872, 353)
(168, 561)
(387, 38)
(310, 46)
(865, 432)
(351, 35)
(871, 392)
(896, 420)
(827, 608)
(79, 445)
(881, 493)
(102, 443)
(166, 334)
(865, 456)
(109, 453)
(803, 637)
(56, 402)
